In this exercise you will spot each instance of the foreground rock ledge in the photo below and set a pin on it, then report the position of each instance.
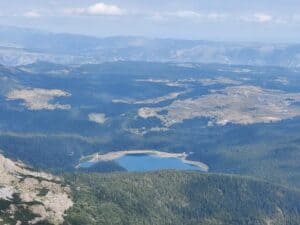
(43, 195)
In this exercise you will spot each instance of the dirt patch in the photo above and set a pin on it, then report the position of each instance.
(39, 99)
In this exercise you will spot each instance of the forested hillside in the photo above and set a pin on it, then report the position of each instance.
(170, 197)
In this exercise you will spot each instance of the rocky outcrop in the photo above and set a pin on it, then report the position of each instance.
(37, 196)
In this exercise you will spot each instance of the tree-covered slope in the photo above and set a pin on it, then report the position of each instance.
(170, 197)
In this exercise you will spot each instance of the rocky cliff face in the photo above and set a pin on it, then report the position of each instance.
(30, 197)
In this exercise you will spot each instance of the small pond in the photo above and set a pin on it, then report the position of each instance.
(147, 162)
(143, 163)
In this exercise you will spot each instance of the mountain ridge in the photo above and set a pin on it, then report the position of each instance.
(28, 46)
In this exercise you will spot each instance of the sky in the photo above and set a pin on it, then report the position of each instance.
(229, 20)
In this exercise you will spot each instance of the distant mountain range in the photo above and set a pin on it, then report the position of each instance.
(19, 46)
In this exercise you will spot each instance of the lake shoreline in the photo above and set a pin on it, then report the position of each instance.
(110, 156)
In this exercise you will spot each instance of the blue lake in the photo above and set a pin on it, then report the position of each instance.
(142, 163)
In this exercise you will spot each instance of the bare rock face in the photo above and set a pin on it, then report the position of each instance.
(41, 196)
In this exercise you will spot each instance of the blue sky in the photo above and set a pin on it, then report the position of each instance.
(231, 20)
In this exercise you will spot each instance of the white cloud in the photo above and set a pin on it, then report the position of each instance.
(262, 17)
(97, 9)
(32, 14)
(99, 118)
(104, 9)
(190, 14)
(186, 14)
(258, 18)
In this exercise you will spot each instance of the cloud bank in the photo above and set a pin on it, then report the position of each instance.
(97, 9)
